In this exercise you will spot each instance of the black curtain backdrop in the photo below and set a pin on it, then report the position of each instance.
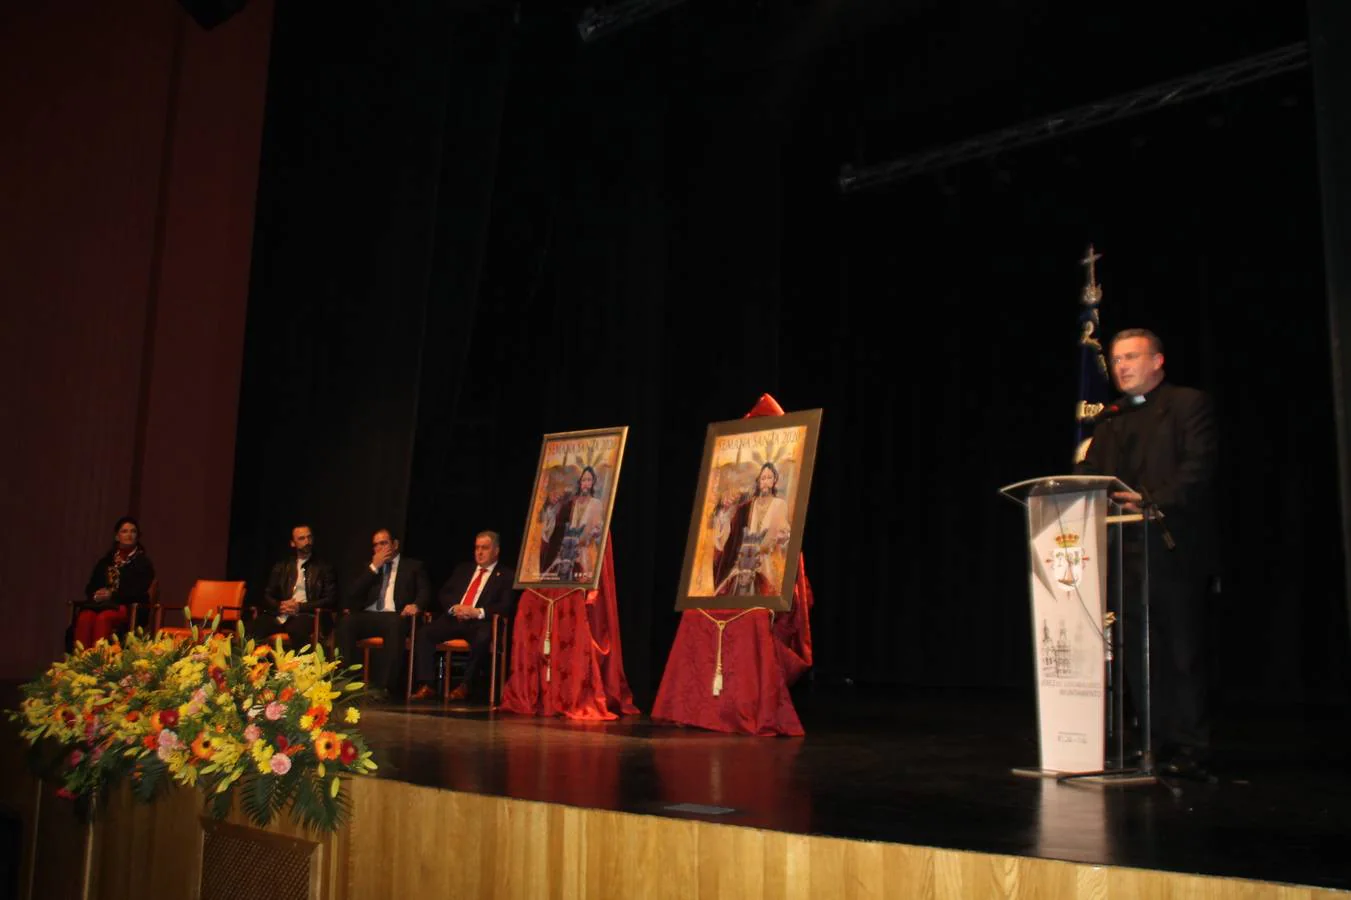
(475, 228)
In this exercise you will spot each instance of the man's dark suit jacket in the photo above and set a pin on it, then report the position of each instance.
(411, 585)
(321, 585)
(1175, 467)
(497, 596)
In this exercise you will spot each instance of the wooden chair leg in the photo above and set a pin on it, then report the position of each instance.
(412, 644)
(492, 668)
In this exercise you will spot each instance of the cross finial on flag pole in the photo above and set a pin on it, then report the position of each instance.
(1092, 293)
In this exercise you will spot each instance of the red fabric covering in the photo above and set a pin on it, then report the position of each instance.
(759, 661)
(754, 695)
(583, 676)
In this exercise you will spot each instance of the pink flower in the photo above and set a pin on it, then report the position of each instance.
(274, 711)
(252, 733)
(281, 763)
(168, 741)
(75, 757)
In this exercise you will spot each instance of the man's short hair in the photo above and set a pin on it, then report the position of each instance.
(389, 531)
(1155, 344)
(496, 538)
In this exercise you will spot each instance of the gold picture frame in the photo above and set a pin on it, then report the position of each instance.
(754, 482)
(566, 528)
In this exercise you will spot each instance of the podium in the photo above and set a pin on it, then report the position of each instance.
(1079, 696)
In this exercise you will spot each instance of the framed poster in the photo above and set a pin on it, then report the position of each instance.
(750, 507)
(568, 521)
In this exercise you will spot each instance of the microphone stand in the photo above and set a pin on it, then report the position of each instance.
(1153, 511)
(1144, 774)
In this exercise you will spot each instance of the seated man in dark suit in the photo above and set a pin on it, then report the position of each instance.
(468, 601)
(297, 585)
(387, 593)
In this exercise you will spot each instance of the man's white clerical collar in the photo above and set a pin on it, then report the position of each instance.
(1137, 399)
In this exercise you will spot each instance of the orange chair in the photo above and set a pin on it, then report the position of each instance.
(205, 600)
(497, 659)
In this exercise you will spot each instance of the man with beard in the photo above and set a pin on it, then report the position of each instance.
(297, 587)
(572, 547)
(751, 561)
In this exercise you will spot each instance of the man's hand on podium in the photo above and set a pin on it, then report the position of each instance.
(1129, 500)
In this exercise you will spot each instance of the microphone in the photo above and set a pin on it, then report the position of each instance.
(1110, 411)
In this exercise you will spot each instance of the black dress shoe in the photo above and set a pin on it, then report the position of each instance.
(1186, 763)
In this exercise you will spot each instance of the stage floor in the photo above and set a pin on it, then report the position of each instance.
(921, 768)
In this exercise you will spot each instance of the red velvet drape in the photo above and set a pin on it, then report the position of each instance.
(583, 675)
(760, 659)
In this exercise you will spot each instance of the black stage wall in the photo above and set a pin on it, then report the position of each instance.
(475, 228)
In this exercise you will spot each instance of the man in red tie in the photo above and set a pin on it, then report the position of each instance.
(468, 600)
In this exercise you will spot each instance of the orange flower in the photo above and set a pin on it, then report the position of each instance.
(318, 714)
(287, 694)
(202, 748)
(327, 745)
(150, 742)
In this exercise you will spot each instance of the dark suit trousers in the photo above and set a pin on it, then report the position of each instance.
(1178, 592)
(478, 632)
(390, 626)
(299, 629)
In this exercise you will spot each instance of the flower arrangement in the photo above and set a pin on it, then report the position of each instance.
(275, 726)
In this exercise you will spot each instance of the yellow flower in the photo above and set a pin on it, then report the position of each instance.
(307, 722)
(321, 693)
(262, 752)
(352, 716)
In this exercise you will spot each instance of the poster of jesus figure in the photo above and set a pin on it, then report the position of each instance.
(569, 517)
(749, 511)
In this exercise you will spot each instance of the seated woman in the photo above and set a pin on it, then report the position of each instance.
(122, 577)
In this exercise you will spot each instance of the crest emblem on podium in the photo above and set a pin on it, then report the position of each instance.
(1067, 560)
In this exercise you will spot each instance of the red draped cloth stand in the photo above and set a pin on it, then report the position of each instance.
(566, 657)
(730, 669)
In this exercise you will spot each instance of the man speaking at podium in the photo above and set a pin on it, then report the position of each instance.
(1160, 440)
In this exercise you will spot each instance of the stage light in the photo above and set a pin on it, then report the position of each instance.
(596, 22)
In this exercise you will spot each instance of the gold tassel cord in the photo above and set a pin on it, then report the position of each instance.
(722, 627)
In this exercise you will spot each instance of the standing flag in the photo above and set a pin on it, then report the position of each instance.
(1094, 383)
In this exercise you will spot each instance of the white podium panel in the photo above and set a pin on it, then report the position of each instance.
(1069, 596)
(1067, 520)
